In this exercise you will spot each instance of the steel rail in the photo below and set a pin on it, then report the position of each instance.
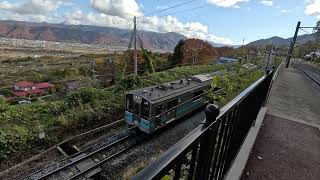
(73, 155)
(305, 70)
(107, 159)
(92, 153)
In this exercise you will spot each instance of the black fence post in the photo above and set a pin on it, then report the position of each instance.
(207, 143)
(269, 85)
(212, 112)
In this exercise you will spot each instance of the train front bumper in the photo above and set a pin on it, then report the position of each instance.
(129, 118)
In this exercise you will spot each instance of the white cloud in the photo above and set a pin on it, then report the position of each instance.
(30, 17)
(75, 17)
(32, 10)
(108, 13)
(267, 2)
(35, 7)
(5, 5)
(226, 3)
(121, 8)
(313, 8)
(189, 29)
(286, 10)
(152, 23)
(161, 7)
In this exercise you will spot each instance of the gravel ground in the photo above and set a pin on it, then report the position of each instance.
(134, 160)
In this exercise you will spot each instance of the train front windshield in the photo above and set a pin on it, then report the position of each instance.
(140, 107)
(129, 103)
(145, 109)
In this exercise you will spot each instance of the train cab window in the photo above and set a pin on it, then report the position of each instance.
(145, 109)
(129, 102)
(197, 95)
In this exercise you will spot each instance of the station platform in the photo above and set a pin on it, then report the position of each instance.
(288, 144)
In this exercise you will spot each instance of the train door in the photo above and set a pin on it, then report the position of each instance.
(160, 118)
(136, 109)
(172, 109)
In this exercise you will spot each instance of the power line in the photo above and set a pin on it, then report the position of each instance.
(171, 7)
(305, 31)
(187, 10)
(304, 37)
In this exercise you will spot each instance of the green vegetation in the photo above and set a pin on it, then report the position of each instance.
(88, 107)
(225, 88)
(177, 55)
(63, 114)
(232, 84)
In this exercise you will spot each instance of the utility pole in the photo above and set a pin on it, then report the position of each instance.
(135, 58)
(246, 57)
(94, 76)
(268, 61)
(293, 42)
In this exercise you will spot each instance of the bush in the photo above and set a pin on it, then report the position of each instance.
(85, 95)
(13, 139)
(225, 88)
(5, 92)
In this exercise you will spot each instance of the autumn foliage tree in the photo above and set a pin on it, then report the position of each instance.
(193, 51)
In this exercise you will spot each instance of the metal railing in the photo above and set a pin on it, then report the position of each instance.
(209, 150)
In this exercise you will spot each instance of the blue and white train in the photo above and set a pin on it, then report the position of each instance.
(154, 107)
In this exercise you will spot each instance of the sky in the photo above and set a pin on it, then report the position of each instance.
(219, 21)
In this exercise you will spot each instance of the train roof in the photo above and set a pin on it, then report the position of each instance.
(169, 90)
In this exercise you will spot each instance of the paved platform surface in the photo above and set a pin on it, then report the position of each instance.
(288, 144)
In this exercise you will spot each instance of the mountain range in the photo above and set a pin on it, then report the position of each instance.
(278, 41)
(112, 36)
(86, 34)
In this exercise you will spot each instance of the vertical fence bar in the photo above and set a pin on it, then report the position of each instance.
(177, 170)
(217, 155)
(206, 147)
(224, 143)
(226, 164)
(228, 136)
(193, 162)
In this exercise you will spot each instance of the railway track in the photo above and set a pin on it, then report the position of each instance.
(310, 71)
(87, 162)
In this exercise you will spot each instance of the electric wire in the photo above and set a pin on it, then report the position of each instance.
(168, 8)
(183, 11)
(305, 31)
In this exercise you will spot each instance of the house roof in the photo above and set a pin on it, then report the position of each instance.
(228, 59)
(43, 85)
(24, 84)
(26, 93)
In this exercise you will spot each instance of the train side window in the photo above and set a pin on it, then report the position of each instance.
(159, 109)
(197, 95)
(129, 102)
(145, 109)
(172, 104)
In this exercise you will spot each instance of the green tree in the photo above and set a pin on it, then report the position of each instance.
(177, 54)
(148, 62)
(317, 31)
